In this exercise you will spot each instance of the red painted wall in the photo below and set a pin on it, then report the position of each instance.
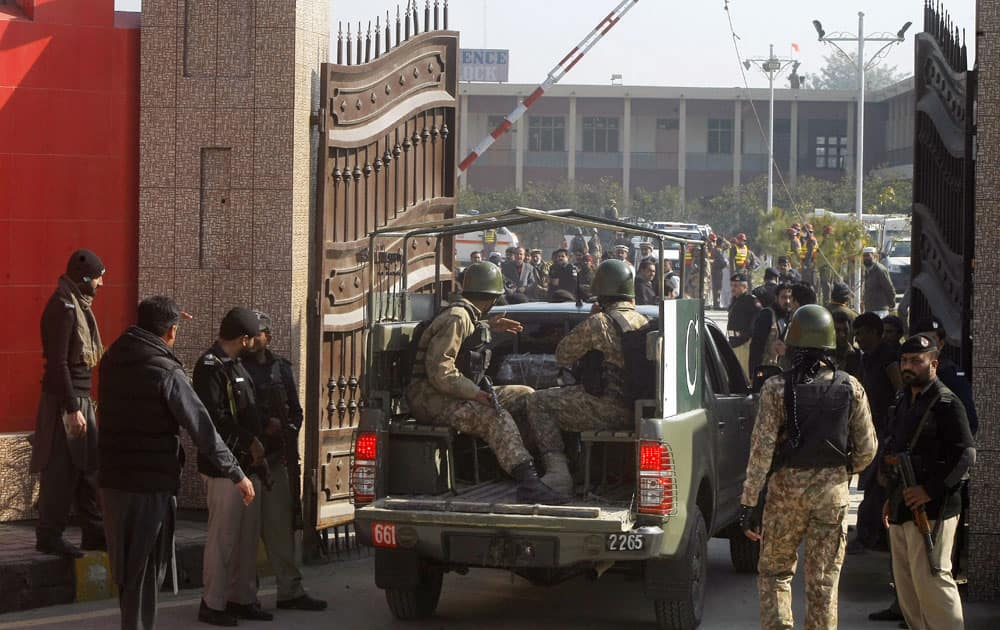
(69, 174)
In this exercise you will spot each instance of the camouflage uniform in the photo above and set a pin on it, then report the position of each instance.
(551, 411)
(802, 503)
(446, 396)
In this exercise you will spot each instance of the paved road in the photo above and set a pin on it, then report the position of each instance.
(490, 599)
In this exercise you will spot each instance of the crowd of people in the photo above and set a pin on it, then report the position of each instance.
(242, 412)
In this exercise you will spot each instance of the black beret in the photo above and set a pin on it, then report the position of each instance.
(239, 322)
(84, 265)
(738, 277)
(265, 321)
(919, 343)
(840, 291)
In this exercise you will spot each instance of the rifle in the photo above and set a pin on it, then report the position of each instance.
(487, 385)
(902, 465)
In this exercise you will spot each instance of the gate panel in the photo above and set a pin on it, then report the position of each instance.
(387, 155)
(943, 183)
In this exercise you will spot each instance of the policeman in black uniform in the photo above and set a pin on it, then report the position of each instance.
(281, 504)
(226, 390)
(928, 426)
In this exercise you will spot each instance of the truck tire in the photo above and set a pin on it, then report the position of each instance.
(744, 552)
(685, 613)
(419, 602)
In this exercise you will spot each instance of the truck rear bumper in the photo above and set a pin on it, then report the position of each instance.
(507, 540)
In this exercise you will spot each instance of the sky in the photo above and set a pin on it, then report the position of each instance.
(664, 42)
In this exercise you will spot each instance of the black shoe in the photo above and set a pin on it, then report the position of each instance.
(96, 542)
(886, 615)
(253, 612)
(530, 488)
(58, 547)
(215, 617)
(302, 602)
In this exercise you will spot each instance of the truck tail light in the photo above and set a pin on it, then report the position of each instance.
(656, 479)
(363, 470)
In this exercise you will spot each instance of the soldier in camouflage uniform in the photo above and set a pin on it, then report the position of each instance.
(581, 407)
(809, 459)
(448, 385)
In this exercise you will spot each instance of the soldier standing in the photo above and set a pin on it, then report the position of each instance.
(930, 426)
(742, 315)
(226, 390)
(767, 345)
(449, 387)
(64, 447)
(812, 432)
(807, 255)
(281, 504)
(599, 402)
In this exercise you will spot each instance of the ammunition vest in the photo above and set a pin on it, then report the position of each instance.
(473, 356)
(603, 378)
(816, 423)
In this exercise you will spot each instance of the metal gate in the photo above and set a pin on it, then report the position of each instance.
(944, 182)
(387, 155)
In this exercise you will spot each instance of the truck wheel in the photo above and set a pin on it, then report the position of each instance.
(743, 552)
(685, 613)
(418, 602)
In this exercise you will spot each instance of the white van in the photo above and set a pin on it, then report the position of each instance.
(497, 240)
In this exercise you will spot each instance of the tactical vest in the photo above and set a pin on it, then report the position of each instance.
(816, 423)
(742, 253)
(600, 377)
(473, 356)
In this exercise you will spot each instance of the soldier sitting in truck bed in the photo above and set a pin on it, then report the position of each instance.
(600, 401)
(447, 385)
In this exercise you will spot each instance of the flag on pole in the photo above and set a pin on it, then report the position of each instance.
(795, 47)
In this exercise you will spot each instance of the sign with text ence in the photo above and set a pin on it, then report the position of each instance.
(484, 64)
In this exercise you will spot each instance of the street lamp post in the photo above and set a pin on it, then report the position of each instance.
(772, 66)
(859, 151)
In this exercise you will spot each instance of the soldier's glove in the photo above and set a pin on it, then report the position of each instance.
(749, 519)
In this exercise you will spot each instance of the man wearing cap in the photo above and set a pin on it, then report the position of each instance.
(767, 344)
(742, 314)
(281, 504)
(562, 274)
(878, 294)
(542, 268)
(930, 425)
(807, 254)
(787, 273)
(145, 398)
(840, 295)
(741, 259)
(226, 389)
(64, 447)
(645, 250)
(621, 253)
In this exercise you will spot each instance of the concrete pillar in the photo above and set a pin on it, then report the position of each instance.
(682, 151)
(793, 146)
(737, 144)
(571, 140)
(627, 153)
(463, 136)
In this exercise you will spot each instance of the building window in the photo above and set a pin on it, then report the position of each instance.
(720, 135)
(600, 135)
(547, 133)
(667, 124)
(831, 151)
(782, 126)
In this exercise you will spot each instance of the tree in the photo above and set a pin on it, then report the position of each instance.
(839, 73)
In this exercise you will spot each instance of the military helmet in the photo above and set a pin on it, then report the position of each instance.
(812, 327)
(614, 278)
(483, 277)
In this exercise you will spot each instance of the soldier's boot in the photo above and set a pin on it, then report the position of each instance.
(557, 474)
(530, 488)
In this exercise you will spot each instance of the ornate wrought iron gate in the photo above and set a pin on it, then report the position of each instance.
(944, 182)
(387, 155)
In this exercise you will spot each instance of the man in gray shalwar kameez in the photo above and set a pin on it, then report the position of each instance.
(145, 398)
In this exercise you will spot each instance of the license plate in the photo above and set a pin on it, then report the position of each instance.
(625, 542)
(384, 535)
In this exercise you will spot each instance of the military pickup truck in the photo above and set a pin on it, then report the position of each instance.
(431, 500)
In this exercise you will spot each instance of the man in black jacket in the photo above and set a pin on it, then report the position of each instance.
(145, 399)
(562, 274)
(645, 292)
(280, 505)
(742, 313)
(930, 425)
(226, 389)
(64, 447)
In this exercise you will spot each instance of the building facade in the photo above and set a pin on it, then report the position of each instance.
(697, 139)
